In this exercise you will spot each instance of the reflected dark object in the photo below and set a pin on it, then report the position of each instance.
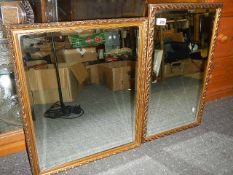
(59, 109)
(197, 56)
(175, 51)
(67, 112)
(45, 58)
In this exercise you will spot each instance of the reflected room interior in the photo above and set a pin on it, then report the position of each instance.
(82, 91)
(10, 118)
(181, 45)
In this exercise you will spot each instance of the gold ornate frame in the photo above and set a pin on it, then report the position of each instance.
(153, 9)
(14, 31)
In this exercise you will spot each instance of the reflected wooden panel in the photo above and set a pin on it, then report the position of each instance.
(73, 10)
(181, 45)
(80, 87)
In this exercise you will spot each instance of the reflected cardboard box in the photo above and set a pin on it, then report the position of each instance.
(40, 54)
(78, 55)
(80, 32)
(43, 83)
(37, 64)
(183, 67)
(118, 75)
(46, 49)
(94, 76)
(194, 66)
(177, 37)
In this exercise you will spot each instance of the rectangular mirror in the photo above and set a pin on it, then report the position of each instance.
(180, 53)
(80, 85)
(10, 118)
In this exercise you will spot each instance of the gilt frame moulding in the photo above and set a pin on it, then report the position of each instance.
(14, 31)
(153, 9)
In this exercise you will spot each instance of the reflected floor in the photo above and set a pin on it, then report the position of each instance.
(8, 124)
(173, 103)
(10, 119)
(108, 122)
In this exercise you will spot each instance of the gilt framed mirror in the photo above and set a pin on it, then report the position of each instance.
(80, 85)
(181, 39)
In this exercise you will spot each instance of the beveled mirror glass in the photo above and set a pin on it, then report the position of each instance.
(180, 50)
(10, 119)
(80, 85)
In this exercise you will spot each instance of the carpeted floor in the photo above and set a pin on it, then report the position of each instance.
(204, 150)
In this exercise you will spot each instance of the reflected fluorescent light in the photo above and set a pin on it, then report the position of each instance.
(5, 81)
(193, 109)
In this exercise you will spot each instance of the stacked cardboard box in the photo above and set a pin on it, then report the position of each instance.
(118, 75)
(43, 83)
(173, 35)
(46, 49)
(78, 55)
(182, 67)
(94, 73)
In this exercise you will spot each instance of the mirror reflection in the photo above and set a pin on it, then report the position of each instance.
(10, 117)
(82, 91)
(182, 42)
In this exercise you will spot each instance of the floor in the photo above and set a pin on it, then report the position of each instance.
(173, 103)
(204, 150)
(105, 114)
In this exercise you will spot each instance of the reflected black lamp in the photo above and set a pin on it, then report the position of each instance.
(59, 109)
